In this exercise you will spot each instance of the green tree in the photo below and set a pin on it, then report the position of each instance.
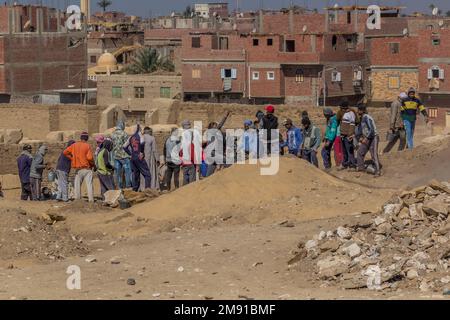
(447, 13)
(148, 60)
(104, 4)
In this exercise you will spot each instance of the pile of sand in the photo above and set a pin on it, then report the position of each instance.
(298, 191)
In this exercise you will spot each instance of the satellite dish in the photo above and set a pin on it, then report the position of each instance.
(441, 23)
(305, 28)
(254, 30)
(405, 31)
(173, 14)
(336, 6)
(215, 14)
(242, 14)
(192, 14)
(435, 11)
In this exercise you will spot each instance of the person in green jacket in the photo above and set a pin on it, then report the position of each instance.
(330, 136)
(311, 141)
(105, 169)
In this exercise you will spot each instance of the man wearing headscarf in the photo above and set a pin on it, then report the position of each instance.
(270, 122)
(122, 162)
(105, 169)
(397, 128)
(134, 147)
(37, 169)
(24, 165)
(62, 172)
(151, 156)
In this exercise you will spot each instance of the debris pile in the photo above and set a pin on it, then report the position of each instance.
(406, 245)
(25, 236)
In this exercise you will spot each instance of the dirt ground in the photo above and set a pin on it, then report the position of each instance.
(227, 237)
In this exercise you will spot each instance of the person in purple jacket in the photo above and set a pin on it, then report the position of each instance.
(62, 172)
(24, 165)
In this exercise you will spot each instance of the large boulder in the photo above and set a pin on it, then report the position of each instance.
(55, 136)
(71, 135)
(12, 136)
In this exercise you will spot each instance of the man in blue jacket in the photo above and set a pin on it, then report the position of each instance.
(294, 138)
(24, 165)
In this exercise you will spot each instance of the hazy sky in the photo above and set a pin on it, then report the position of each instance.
(162, 7)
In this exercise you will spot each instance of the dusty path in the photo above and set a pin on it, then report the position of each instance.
(225, 262)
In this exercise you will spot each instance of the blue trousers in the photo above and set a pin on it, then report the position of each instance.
(311, 157)
(123, 167)
(139, 167)
(410, 126)
(326, 155)
(349, 153)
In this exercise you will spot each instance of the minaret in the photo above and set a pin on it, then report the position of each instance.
(86, 9)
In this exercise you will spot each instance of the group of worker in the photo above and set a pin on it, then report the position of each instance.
(124, 161)
(119, 162)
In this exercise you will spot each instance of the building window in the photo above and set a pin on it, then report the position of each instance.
(93, 59)
(270, 75)
(290, 45)
(394, 82)
(334, 42)
(270, 42)
(196, 42)
(336, 76)
(255, 75)
(357, 74)
(139, 92)
(223, 43)
(299, 75)
(164, 92)
(117, 92)
(436, 73)
(255, 42)
(436, 42)
(228, 73)
(349, 17)
(196, 74)
(394, 47)
(433, 112)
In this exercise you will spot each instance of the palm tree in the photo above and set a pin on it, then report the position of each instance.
(104, 4)
(447, 13)
(148, 60)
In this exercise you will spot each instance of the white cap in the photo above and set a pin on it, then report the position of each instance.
(403, 95)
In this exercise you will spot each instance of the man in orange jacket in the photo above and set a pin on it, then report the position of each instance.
(82, 161)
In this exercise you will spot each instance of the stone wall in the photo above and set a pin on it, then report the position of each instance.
(380, 91)
(36, 121)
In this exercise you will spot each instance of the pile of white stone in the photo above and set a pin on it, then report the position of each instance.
(406, 245)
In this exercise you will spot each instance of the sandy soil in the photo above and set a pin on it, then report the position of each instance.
(226, 237)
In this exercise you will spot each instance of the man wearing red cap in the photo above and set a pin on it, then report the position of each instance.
(270, 122)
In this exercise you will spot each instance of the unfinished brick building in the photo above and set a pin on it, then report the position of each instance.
(37, 54)
(296, 65)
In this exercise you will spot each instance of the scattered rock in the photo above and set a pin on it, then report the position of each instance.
(311, 244)
(344, 233)
(131, 282)
(90, 259)
(352, 250)
(180, 269)
(436, 207)
(333, 265)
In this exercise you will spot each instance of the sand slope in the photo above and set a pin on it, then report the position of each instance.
(299, 190)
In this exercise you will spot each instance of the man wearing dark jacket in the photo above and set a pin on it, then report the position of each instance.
(270, 122)
(24, 165)
(62, 173)
(135, 148)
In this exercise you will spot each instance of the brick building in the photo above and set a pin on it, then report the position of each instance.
(37, 54)
(272, 67)
(136, 91)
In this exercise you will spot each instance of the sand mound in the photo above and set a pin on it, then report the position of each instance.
(299, 190)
